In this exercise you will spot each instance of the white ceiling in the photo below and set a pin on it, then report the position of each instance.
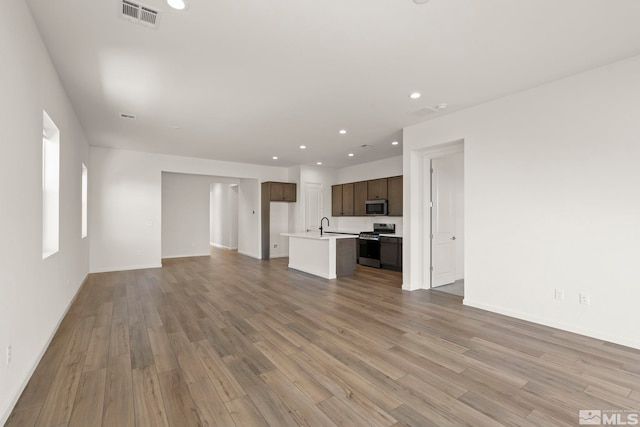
(245, 80)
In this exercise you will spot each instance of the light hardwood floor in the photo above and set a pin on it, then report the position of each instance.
(233, 341)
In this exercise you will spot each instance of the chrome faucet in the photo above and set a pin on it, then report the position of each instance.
(321, 221)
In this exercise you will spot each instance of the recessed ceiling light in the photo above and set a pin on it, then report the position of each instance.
(394, 143)
(441, 106)
(275, 157)
(318, 163)
(350, 154)
(415, 95)
(342, 131)
(177, 4)
(302, 147)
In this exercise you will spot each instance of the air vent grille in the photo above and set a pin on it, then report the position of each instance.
(140, 14)
(131, 10)
(149, 16)
(127, 116)
(424, 111)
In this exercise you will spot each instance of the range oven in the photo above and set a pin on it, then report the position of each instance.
(369, 244)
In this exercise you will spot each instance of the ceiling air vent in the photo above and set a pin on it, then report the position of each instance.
(366, 146)
(424, 111)
(127, 116)
(140, 14)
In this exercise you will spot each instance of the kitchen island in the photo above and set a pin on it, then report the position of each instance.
(329, 256)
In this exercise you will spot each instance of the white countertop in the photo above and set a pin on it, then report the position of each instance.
(358, 232)
(316, 235)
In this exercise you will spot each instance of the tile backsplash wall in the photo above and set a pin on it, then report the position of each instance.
(363, 223)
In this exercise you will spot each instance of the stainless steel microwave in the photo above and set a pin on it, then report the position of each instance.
(376, 207)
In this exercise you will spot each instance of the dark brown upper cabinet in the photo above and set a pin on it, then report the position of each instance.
(347, 199)
(342, 200)
(336, 200)
(282, 191)
(377, 189)
(359, 198)
(394, 196)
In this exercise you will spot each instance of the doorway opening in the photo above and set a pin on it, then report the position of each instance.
(223, 215)
(198, 212)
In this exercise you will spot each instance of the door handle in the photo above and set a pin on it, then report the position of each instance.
(453, 238)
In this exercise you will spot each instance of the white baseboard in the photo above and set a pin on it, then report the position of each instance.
(215, 245)
(249, 254)
(626, 341)
(126, 268)
(185, 255)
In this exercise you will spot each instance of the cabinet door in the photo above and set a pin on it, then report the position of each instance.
(336, 200)
(277, 192)
(377, 189)
(347, 199)
(395, 195)
(359, 198)
(389, 252)
(289, 192)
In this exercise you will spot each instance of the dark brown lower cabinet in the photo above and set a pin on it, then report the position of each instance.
(391, 253)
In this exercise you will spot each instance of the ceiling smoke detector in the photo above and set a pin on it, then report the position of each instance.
(366, 146)
(140, 14)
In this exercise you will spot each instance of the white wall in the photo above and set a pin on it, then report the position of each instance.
(458, 161)
(373, 170)
(125, 204)
(249, 217)
(185, 215)
(224, 215)
(551, 201)
(303, 175)
(34, 293)
(279, 223)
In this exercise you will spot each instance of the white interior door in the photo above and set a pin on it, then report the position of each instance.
(313, 206)
(443, 225)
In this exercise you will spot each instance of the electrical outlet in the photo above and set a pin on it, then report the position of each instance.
(559, 294)
(9, 354)
(275, 246)
(585, 299)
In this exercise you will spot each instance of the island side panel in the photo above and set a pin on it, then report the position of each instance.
(346, 256)
(313, 256)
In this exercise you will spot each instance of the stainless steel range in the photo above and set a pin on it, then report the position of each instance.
(369, 244)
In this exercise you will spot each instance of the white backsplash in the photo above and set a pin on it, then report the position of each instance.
(363, 223)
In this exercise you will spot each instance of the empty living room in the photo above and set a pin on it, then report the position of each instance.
(338, 213)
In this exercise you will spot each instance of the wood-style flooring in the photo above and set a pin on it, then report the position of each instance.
(234, 341)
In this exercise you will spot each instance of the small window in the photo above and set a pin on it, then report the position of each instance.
(50, 186)
(84, 201)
